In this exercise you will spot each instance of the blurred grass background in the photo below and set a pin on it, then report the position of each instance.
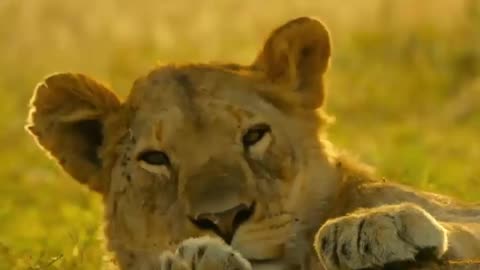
(404, 87)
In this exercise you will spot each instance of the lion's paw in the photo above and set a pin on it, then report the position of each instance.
(378, 237)
(203, 253)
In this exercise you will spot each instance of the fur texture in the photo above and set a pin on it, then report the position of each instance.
(221, 166)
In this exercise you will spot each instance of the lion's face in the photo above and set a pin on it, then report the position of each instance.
(205, 153)
(195, 149)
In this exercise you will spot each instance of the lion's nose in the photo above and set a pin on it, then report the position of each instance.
(224, 223)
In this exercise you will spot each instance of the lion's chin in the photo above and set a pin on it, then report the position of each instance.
(260, 253)
(264, 240)
(268, 265)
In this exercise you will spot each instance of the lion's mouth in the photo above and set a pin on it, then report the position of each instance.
(226, 223)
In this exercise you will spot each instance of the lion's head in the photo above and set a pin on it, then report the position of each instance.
(197, 149)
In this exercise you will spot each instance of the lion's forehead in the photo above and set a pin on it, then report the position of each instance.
(198, 112)
(180, 85)
(193, 98)
(204, 119)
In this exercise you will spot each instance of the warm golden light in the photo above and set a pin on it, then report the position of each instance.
(404, 85)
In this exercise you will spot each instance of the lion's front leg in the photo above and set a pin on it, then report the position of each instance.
(371, 238)
(204, 253)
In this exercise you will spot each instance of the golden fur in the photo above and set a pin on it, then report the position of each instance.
(246, 159)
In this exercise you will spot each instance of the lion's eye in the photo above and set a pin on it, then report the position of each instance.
(154, 158)
(255, 134)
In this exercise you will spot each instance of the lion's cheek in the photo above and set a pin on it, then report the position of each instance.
(132, 224)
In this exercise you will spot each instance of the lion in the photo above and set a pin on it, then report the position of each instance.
(224, 166)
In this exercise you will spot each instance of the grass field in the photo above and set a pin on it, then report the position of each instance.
(404, 87)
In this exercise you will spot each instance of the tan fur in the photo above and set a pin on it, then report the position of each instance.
(298, 190)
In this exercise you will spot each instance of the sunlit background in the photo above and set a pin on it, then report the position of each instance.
(404, 87)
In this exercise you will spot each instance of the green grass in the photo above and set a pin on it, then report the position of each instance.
(404, 87)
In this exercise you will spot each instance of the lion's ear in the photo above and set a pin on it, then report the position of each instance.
(296, 55)
(66, 118)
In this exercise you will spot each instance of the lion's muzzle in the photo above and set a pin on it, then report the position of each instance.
(217, 198)
(224, 223)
